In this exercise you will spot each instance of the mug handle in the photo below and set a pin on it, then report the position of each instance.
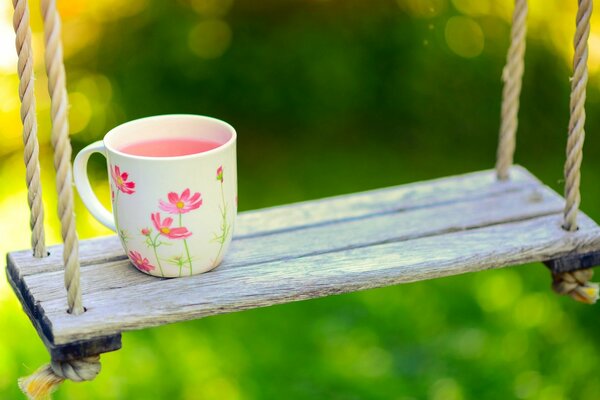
(82, 183)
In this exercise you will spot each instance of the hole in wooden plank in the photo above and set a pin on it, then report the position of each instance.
(69, 311)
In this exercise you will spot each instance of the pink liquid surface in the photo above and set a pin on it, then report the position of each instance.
(169, 147)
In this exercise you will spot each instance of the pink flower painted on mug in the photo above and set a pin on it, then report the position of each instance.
(181, 204)
(164, 228)
(146, 232)
(140, 262)
(121, 180)
(220, 174)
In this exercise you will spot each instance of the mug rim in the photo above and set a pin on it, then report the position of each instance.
(221, 148)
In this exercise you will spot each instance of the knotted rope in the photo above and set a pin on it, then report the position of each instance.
(46, 379)
(512, 75)
(57, 86)
(28, 118)
(576, 284)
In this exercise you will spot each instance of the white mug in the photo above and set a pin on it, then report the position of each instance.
(174, 215)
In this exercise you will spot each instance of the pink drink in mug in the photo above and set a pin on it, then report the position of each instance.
(171, 147)
(173, 182)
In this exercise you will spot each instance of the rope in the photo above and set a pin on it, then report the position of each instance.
(57, 86)
(47, 378)
(577, 120)
(576, 284)
(41, 384)
(512, 75)
(28, 118)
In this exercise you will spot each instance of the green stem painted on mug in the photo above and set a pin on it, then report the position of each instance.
(117, 212)
(223, 226)
(154, 246)
(187, 250)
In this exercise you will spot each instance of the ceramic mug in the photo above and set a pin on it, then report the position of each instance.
(174, 215)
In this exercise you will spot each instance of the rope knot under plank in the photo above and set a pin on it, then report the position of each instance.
(577, 285)
(41, 384)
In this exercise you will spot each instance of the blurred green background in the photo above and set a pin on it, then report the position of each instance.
(328, 97)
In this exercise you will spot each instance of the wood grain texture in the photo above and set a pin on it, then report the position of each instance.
(470, 186)
(318, 239)
(466, 187)
(360, 241)
(69, 351)
(283, 281)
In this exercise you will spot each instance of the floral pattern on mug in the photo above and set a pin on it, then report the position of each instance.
(164, 230)
(121, 180)
(140, 262)
(221, 238)
(163, 226)
(181, 204)
(122, 185)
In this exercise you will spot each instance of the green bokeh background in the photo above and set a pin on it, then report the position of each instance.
(329, 97)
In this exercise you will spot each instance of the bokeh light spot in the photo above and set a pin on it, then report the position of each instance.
(8, 53)
(212, 8)
(464, 37)
(9, 87)
(552, 392)
(374, 361)
(532, 310)
(110, 10)
(497, 290)
(446, 389)
(527, 384)
(470, 344)
(96, 87)
(472, 7)
(423, 8)
(210, 39)
(514, 345)
(80, 112)
(594, 52)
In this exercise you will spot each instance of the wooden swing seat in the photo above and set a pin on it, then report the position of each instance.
(312, 249)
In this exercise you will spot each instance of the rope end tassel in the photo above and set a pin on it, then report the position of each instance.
(45, 380)
(577, 285)
(41, 384)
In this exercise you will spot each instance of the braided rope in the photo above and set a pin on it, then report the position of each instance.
(47, 378)
(28, 118)
(577, 120)
(57, 86)
(512, 75)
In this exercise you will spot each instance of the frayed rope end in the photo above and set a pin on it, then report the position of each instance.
(576, 284)
(44, 381)
(587, 294)
(40, 384)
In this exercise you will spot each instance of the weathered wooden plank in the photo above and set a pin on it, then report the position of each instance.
(477, 185)
(69, 351)
(413, 195)
(234, 289)
(317, 239)
(305, 250)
